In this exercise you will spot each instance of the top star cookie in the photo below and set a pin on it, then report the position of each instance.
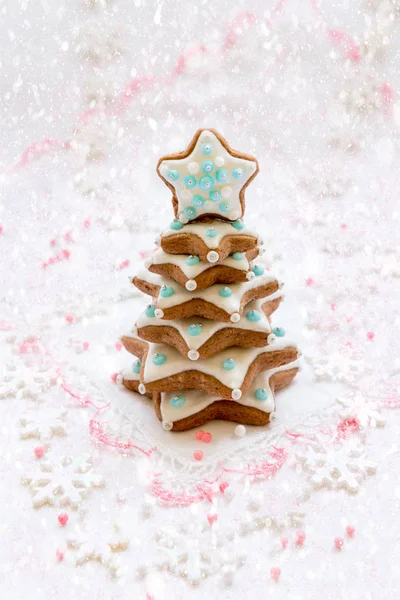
(208, 179)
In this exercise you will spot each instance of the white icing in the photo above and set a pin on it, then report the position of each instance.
(209, 327)
(176, 363)
(222, 228)
(197, 400)
(192, 165)
(130, 375)
(230, 304)
(159, 257)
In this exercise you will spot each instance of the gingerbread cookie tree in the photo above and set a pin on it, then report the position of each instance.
(205, 346)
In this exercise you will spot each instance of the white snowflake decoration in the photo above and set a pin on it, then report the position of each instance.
(366, 413)
(24, 382)
(98, 546)
(337, 367)
(43, 424)
(66, 480)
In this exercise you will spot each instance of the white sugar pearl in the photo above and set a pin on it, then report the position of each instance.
(142, 389)
(193, 355)
(236, 394)
(212, 256)
(234, 214)
(271, 338)
(191, 285)
(226, 191)
(240, 431)
(193, 168)
(219, 161)
(235, 317)
(272, 416)
(148, 262)
(250, 275)
(186, 195)
(119, 379)
(159, 313)
(167, 425)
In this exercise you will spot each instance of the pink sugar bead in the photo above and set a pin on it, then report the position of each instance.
(350, 530)
(63, 518)
(70, 319)
(206, 437)
(300, 537)
(199, 434)
(53, 242)
(309, 281)
(222, 486)
(118, 346)
(85, 345)
(114, 377)
(275, 573)
(39, 451)
(284, 542)
(370, 335)
(198, 455)
(86, 223)
(339, 543)
(60, 555)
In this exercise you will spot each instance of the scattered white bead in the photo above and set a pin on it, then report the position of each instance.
(219, 161)
(272, 415)
(167, 425)
(193, 355)
(191, 285)
(159, 313)
(226, 191)
(271, 338)
(236, 394)
(235, 317)
(240, 431)
(193, 168)
(212, 256)
(142, 389)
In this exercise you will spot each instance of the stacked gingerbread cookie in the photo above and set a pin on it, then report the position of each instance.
(205, 346)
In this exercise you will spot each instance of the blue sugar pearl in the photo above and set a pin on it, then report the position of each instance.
(214, 196)
(211, 232)
(239, 225)
(192, 260)
(189, 212)
(258, 270)
(224, 207)
(190, 181)
(221, 175)
(225, 292)
(150, 310)
(176, 225)
(177, 401)
(206, 148)
(278, 331)
(261, 394)
(172, 175)
(159, 359)
(195, 329)
(206, 182)
(167, 291)
(136, 366)
(253, 316)
(229, 364)
(238, 173)
(198, 200)
(237, 255)
(207, 166)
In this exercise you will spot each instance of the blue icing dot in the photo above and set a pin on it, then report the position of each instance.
(224, 207)
(189, 212)
(150, 310)
(221, 175)
(253, 316)
(229, 364)
(278, 331)
(167, 291)
(215, 196)
(190, 181)
(192, 260)
(239, 225)
(159, 359)
(261, 394)
(211, 232)
(237, 255)
(237, 173)
(136, 366)
(176, 225)
(195, 329)
(225, 292)
(206, 148)
(206, 182)
(198, 200)
(172, 175)
(177, 401)
(207, 166)
(258, 270)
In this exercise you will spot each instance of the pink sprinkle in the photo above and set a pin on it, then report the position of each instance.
(63, 518)
(124, 264)
(85, 345)
(118, 346)
(68, 236)
(114, 377)
(333, 306)
(86, 223)
(212, 518)
(222, 486)
(39, 451)
(309, 281)
(199, 434)
(53, 242)
(1, 229)
(60, 555)
(70, 319)
(284, 542)
(198, 455)
(370, 335)
(275, 573)
(66, 253)
(339, 543)
(343, 226)
(350, 530)
(206, 437)
(300, 537)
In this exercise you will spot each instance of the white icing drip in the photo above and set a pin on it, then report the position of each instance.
(222, 229)
(159, 257)
(197, 400)
(213, 366)
(194, 342)
(230, 304)
(228, 189)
